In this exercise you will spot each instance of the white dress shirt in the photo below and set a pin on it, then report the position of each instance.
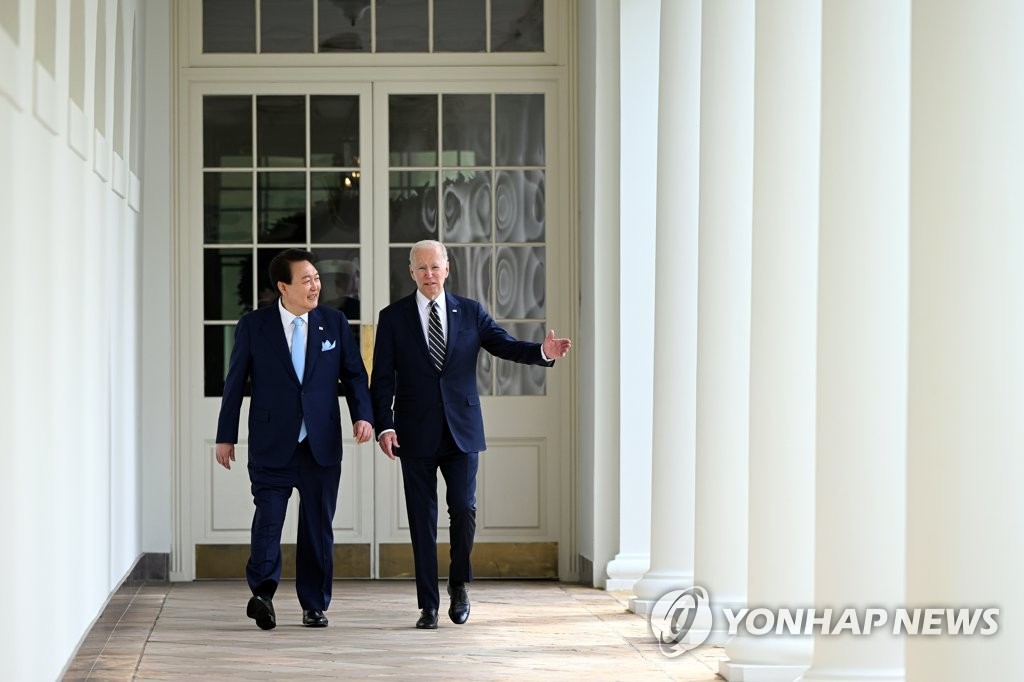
(423, 306)
(287, 319)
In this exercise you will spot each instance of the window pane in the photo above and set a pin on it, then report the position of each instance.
(281, 208)
(519, 128)
(334, 208)
(412, 130)
(519, 282)
(227, 283)
(339, 280)
(334, 131)
(266, 293)
(227, 131)
(517, 26)
(218, 340)
(512, 378)
(469, 272)
(345, 26)
(229, 26)
(286, 25)
(402, 26)
(399, 280)
(460, 26)
(467, 206)
(281, 130)
(467, 130)
(519, 206)
(412, 202)
(227, 208)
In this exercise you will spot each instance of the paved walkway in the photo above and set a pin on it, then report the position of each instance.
(517, 630)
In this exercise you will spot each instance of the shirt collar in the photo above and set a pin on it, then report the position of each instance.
(422, 301)
(287, 318)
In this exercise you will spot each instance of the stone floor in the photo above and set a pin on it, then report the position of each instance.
(518, 629)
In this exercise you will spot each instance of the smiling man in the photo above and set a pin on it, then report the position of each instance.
(425, 397)
(294, 353)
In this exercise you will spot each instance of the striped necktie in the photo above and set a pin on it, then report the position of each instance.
(435, 337)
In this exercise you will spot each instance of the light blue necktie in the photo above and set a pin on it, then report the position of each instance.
(299, 360)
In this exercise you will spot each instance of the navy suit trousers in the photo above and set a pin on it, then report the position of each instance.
(314, 552)
(420, 477)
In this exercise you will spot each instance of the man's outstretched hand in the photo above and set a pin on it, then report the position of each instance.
(556, 348)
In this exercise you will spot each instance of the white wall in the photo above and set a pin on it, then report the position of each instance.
(70, 355)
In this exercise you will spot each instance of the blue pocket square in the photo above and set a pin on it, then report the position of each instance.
(327, 345)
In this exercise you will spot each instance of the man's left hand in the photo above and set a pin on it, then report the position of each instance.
(362, 430)
(556, 348)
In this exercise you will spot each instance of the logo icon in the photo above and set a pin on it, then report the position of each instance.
(681, 620)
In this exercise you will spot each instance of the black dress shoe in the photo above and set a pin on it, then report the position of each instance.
(261, 610)
(428, 620)
(314, 618)
(459, 609)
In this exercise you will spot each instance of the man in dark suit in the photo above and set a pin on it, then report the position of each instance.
(424, 394)
(294, 353)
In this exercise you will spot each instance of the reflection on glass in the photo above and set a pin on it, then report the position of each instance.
(225, 295)
(412, 204)
(519, 130)
(460, 26)
(519, 206)
(519, 282)
(266, 292)
(402, 26)
(412, 126)
(467, 206)
(281, 130)
(218, 340)
(286, 25)
(339, 280)
(227, 131)
(469, 272)
(227, 208)
(517, 26)
(281, 207)
(334, 131)
(400, 282)
(344, 26)
(466, 134)
(334, 208)
(229, 26)
(512, 378)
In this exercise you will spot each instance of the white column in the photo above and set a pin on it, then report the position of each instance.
(862, 332)
(966, 380)
(723, 329)
(675, 301)
(638, 116)
(787, 99)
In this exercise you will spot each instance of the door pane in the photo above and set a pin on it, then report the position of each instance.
(519, 282)
(400, 282)
(467, 206)
(460, 26)
(519, 203)
(286, 25)
(229, 25)
(517, 26)
(412, 203)
(344, 26)
(218, 340)
(467, 130)
(227, 131)
(334, 131)
(512, 378)
(227, 208)
(266, 293)
(519, 130)
(402, 26)
(281, 130)
(469, 272)
(412, 130)
(334, 208)
(281, 207)
(339, 280)
(227, 290)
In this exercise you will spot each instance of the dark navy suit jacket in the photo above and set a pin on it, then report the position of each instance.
(279, 402)
(409, 395)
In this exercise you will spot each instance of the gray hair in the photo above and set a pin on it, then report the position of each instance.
(428, 244)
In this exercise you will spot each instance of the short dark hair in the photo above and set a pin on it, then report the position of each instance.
(281, 265)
